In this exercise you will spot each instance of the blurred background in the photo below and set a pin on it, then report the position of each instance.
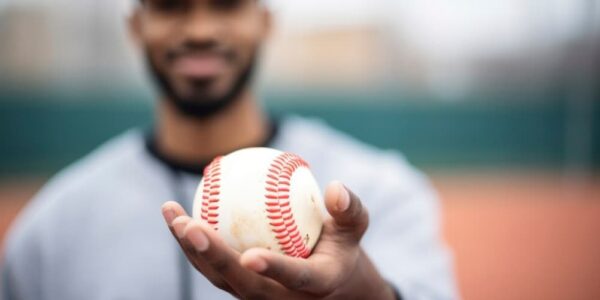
(497, 100)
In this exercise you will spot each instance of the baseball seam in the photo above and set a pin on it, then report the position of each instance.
(277, 200)
(211, 191)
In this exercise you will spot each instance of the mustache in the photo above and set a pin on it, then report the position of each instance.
(192, 48)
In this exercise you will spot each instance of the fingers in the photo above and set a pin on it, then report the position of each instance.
(349, 215)
(177, 220)
(331, 259)
(295, 274)
(208, 248)
(334, 257)
(175, 217)
(172, 210)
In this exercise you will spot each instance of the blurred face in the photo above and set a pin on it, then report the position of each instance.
(200, 52)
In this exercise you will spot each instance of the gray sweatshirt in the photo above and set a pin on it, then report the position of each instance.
(95, 231)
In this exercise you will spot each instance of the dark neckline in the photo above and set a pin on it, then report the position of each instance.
(195, 168)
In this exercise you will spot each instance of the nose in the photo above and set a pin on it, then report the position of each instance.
(201, 25)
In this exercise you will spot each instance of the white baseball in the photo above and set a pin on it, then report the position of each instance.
(261, 197)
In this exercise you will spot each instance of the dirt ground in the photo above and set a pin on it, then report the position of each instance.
(514, 235)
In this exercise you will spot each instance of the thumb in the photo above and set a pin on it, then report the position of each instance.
(349, 215)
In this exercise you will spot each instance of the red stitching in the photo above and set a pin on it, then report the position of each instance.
(211, 191)
(278, 205)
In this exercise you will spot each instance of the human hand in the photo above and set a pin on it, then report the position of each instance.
(338, 268)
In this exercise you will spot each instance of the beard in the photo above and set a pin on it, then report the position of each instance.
(200, 104)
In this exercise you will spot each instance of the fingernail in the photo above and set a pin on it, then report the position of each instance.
(169, 215)
(259, 265)
(199, 240)
(344, 199)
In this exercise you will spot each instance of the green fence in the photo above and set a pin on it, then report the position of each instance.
(42, 132)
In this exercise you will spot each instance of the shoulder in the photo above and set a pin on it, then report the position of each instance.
(108, 164)
(71, 193)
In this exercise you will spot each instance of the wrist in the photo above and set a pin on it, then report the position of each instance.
(395, 291)
(388, 292)
(373, 286)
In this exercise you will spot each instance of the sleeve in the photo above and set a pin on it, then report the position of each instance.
(21, 265)
(404, 238)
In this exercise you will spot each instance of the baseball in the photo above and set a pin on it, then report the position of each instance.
(262, 197)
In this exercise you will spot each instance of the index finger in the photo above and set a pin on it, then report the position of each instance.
(222, 259)
(177, 220)
(171, 210)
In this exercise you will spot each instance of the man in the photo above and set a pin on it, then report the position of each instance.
(95, 232)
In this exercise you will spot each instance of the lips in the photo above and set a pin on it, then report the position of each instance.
(199, 66)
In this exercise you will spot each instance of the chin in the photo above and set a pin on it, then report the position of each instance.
(205, 88)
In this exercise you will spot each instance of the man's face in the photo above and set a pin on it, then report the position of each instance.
(200, 51)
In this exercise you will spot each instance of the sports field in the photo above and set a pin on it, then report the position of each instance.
(525, 235)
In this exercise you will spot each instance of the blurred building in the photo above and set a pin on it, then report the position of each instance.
(448, 49)
(64, 43)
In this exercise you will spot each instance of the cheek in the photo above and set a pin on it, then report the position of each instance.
(156, 26)
(249, 39)
(157, 35)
